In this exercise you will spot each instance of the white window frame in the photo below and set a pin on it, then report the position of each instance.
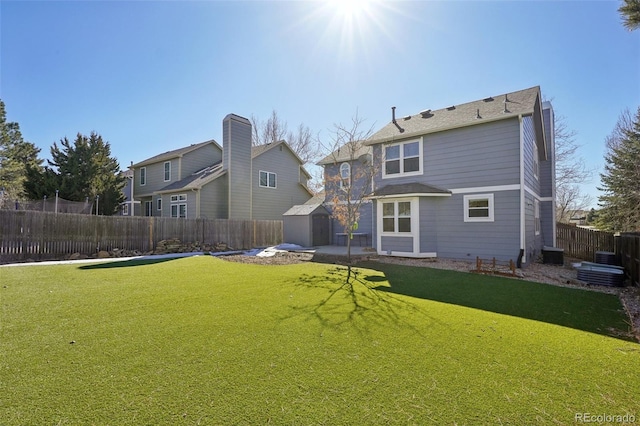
(125, 209)
(345, 182)
(175, 210)
(401, 159)
(167, 171)
(536, 216)
(271, 177)
(159, 204)
(396, 217)
(536, 161)
(143, 176)
(179, 197)
(469, 198)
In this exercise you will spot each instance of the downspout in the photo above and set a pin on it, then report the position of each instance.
(132, 205)
(522, 258)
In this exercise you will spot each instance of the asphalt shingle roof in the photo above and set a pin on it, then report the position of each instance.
(492, 108)
(409, 188)
(197, 179)
(344, 153)
(175, 153)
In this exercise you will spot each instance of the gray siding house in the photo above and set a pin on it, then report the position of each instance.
(235, 181)
(476, 179)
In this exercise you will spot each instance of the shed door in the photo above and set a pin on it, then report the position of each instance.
(320, 229)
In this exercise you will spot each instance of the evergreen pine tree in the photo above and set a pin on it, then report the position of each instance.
(16, 156)
(621, 180)
(630, 11)
(81, 170)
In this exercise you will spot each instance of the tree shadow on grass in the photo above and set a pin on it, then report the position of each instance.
(126, 263)
(357, 303)
(589, 311)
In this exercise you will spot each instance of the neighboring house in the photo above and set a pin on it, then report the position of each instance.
(127, 206)
(235, 181)
(476, 179)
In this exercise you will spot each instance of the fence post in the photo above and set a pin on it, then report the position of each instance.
(151, 248)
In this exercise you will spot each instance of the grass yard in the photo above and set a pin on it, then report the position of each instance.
(205, 341)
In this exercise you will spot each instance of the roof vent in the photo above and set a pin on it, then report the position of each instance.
(426, 113)
(478, 113)
(506, 98)
(505, 108)
(451, 108)
(393, 119)
(408, 117)
(489, 99)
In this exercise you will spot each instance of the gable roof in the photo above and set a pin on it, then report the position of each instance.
(258, 150)
(196, 180)
(165, 156)
(499, 107)
(344, 153)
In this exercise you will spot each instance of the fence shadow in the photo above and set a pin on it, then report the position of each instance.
(578, 309)
(128, 263)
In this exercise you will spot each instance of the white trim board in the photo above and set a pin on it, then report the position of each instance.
(496, 188)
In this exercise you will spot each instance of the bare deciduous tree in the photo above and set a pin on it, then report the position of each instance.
(350, 183)
(274, 129)
(571, 171)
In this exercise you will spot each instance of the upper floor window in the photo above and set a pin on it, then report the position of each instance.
(478, 208)
(143, 176)
(345, 175)
(267, 179)
(180, 197)
(402, 159)
(167, 171)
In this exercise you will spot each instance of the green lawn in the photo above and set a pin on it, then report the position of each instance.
(205, 341)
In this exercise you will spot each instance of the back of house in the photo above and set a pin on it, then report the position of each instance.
(465, 181)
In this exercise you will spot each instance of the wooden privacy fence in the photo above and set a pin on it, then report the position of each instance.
(628, 251)
(40, 235)
(583, 243)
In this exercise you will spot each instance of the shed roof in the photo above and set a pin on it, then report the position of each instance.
(305, 210)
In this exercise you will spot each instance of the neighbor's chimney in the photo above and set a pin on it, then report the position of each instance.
(236, 160)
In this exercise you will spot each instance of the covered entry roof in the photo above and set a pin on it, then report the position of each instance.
(410, 189)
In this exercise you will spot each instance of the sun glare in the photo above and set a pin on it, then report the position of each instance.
(350, 8)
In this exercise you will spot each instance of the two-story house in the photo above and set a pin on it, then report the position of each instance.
(235, 181)
(476, 179)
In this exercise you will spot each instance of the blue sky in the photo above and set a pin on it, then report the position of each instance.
(152, 76)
